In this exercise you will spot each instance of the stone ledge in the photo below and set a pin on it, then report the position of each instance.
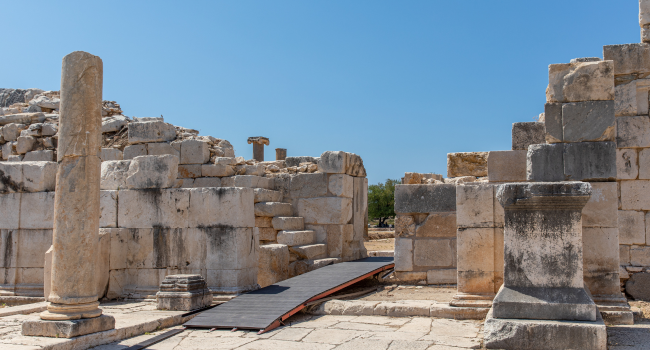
(24, 309)
(403, 308)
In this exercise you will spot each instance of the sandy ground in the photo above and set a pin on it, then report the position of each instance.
(380, 244)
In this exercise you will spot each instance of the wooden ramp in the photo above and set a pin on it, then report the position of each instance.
(265, 309)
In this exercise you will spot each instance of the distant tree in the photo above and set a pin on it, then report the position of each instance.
(381, 201)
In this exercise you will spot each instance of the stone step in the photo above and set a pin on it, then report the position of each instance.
(288, 223)
(264, 195)
(310, 251)
(273, 209)
(303, 266)
(295, 238)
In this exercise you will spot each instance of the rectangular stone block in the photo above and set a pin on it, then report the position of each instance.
(553, 123)
(114, 174)
(602, 208)
(580, 81)
(266, 233)
(525, 134)
(403, 254)
(231, 248)
(8, 249)
(507, 166)
(624, 254)
(467, 164)
(590, 161)
(110, 154)
(360, 208)
(437, 225)
(308, 185)
(425, 198)
(10, 204)
(633, 132)
(627, 164)
(39, 156)
(632, 98)
(194, 152)
(249, 181)
(271, 209)
(341, 163)
(295, 161)
(273, 264)
(217, 170)
(263, 221)
(639, 255)
(161, 149)
(475, 249)
(600, 251)
(325, 210)
(39, 176)
(631, 227)
(232, 281)
(340, 185)
(545, 162)
(12, 173)
(108, 209)
(207, 182)
(152, 172)
(189, 171)
(588, 121)
(37, 210)
(154, 208)
(644, 163)
(475, 205)
(441, 276)
(223, 206)
(432, 252)
(68, 329)
(31, 246)
(339, 237)
(633, 195)
(133, 151)
(628, 58)
(150, 131)
(476, 282)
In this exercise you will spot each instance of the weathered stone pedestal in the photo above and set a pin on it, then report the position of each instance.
(543, 300)
(183, 293)
(280, 153)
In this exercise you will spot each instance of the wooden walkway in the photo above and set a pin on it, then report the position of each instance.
(265, 309)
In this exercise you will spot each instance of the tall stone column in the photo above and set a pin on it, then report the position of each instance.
(258, 147)
(73, 293)
(280, 153)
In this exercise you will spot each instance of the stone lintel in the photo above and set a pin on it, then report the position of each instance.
(544, 304)
(68, 328)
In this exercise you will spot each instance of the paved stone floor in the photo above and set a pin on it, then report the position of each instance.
(636, 337)
(330, 332)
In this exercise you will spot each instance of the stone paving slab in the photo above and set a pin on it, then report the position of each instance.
(401, 308)
(23, 309)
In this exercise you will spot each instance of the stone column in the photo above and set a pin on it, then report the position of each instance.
(280, 153)
(258, 147)
(73, 293)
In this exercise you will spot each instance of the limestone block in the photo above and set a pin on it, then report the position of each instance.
(273, 264)
(633, 132)
(108, 209)
(341, 185)
(632, 98)
(475, 249)
(161, 149)
(10, 204)
(360, 209)
(436, 225)
(627, 164)
(256, 169)
(309, 251)
(631, 227)
(207, 182)
(467, 164)
(154, 207)
(644, 163)
(403, 254)
(628, 58)
(341, 163)
(264, 195)
(294, 238)
(12, 177)
(39, 176)
(67, 329)
(600, 252)
(30, 247)
(425, 198)
(624, 254)
(590, 161)
(633, 195)
(507, 166)
(645, 34)
(526, 134)
(232, 281)
(308, 185)
(102, 267)
(263, 221)
(189, 171)
(287, 223)
(186, 183)
(266, 233)
(113, 123)
(194, 152)
(588, 121)
(37, 210)
(10, 132)
(580, 81)
(638, 286)
(295, 161)
(222, 206)
(152, 172)
(441, 276)
(432, 252)
(412, 179)
(15, 158)
(150, 131)
(231, 248)
(324, 210)
(114, 174)
(217, 170)
(8, 149)
(644, 13)
(225, 161)
(640, 255)
(339, 240)
(411, 277)
(273, 209)
(110, 154)
(133, 151)
(474, 205)
(39, 156)
(250, 181)
(25, 144)
(602, 208)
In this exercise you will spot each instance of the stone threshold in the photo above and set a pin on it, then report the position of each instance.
(24, 309)
(402, 308)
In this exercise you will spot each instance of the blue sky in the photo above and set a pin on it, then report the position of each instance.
(399, 83)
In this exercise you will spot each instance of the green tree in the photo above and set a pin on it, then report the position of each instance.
(381, 201)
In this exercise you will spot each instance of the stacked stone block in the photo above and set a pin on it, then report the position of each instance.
(425, 233)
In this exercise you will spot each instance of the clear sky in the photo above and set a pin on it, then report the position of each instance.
(401, 83)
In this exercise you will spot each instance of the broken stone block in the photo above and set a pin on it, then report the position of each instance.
(433, 253)
(151, 131)
(154, 207)
(627, 165)
(114, 174)
(296, 161)
(273, 209)
(631, 227)
(273, 264)
(10, 132)
(526, 134)
(340, 185)
(633, 132)
(324, 210)
(590, 161)
(108, 209)
(162, 148)
(341, 163)
(221, 206)
(602, 208)
(425, 198)
(39, 176)
(113, 123)
(133, 151)
(580, 81)
(207, 182)
(189, 171)
(152, 172)
(8, 150)
(217, 170)
(25, 144)
(545, 162)
(467, 164)
(638, 286)
(507, 166)
(107, 154)
(311, 251)
(183, 293)
(628, 58)
(15, 158)
(194, 152)
(436, 225)
(37, 210)
(588, 121)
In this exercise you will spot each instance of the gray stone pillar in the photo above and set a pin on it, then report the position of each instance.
(280, 153)
(258, 147)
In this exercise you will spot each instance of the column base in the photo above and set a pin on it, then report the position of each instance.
(62, 312)
(539, 303)
(68, 328)
(472, 300)
(614, 308)
(510, 334)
